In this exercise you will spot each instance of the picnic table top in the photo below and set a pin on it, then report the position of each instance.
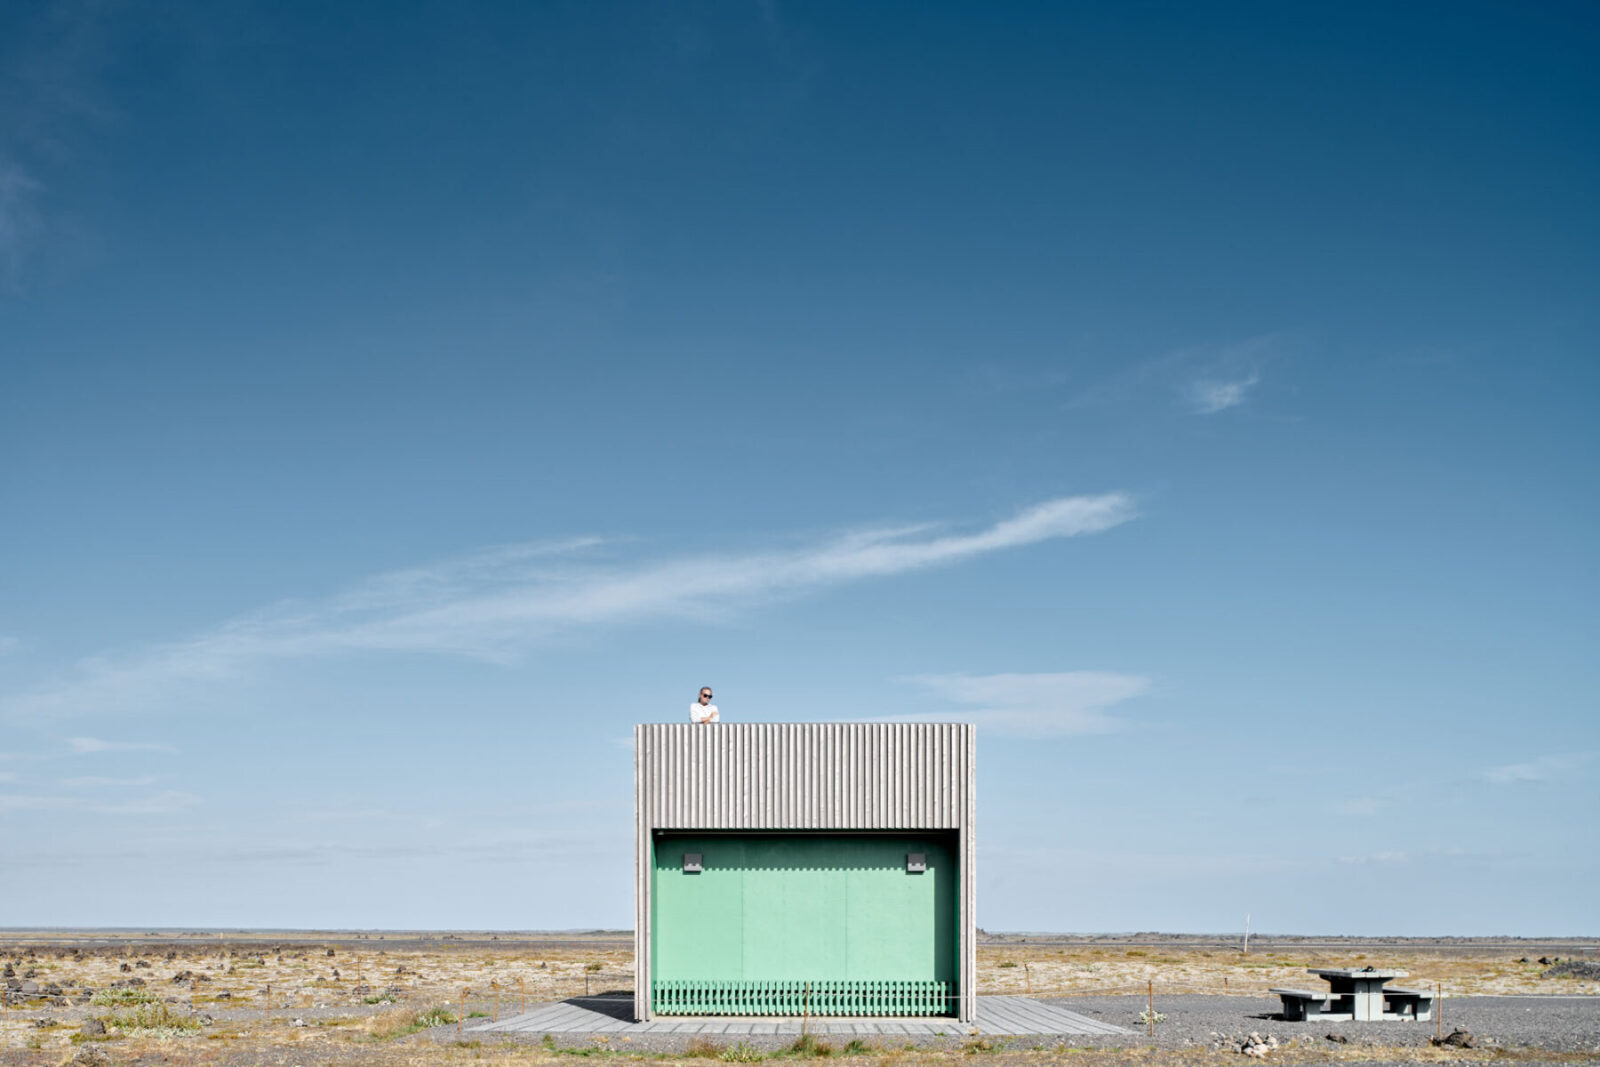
(1358, 972)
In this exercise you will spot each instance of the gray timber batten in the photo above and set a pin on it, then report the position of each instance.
(805, 776)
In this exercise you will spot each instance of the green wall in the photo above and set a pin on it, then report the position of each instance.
(803, 907)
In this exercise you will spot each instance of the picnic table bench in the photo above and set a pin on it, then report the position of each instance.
(1355, 993)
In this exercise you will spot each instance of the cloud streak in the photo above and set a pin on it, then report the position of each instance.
(164, 803)
(1534, 771)
(1209, 397)
(497, 605)
(96, 782)
(95, 744)
(1216, 378)
(1035, 705)
(51, 79)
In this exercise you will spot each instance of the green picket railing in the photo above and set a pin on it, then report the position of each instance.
(794, 997)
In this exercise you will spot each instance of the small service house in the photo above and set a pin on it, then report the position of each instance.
(790, 868)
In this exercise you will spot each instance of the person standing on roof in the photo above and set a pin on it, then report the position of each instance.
(702, 710)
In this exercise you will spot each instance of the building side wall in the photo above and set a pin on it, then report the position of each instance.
(804, 776)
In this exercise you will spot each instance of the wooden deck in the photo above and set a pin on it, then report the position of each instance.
(613, 1015)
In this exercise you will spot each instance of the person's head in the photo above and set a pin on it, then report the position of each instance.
(705, 694)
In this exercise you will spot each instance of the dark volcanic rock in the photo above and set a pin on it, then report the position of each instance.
(1457, 1038)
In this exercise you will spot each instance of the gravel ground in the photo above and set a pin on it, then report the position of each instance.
(1553, 1024)
(1549, 1024)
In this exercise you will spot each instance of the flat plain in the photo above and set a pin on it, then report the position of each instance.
(281, 997)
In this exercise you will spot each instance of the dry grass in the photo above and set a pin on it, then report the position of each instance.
(343, 1007)
(1078, 971)
(403, 1021)
(702, 1048)
(154, 1019)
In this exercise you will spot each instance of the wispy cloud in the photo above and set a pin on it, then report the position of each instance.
(95, 782)
(1542, 769)
(19, 220)
(49, 74)
(95, 744)
(336, 815)
(1387, 857)
(1034, 705)
(1394, 857)
(1360, 806)
(1209, 397)
(553, 848)
(1205, 378)
(497, 605)
(1214, 378)
(164, 803)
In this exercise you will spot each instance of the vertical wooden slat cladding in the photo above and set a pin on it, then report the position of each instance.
(799, 776)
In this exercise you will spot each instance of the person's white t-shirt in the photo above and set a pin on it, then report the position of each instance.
(699, 712)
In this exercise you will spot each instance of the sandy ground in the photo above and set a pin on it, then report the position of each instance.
(352, 998)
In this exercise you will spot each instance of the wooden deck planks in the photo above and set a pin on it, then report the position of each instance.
(1020, 1015)
(997, 1016)
(1005, 1019)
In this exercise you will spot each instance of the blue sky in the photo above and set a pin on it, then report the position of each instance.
(399, 402)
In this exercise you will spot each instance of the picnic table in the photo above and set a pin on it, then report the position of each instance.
(1356, 993)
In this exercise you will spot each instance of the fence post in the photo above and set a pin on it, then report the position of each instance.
(267, 1011)
(1150, 1006)
(805, 1018)
(523, 989)
(462, 1014)
(194, 995)
(1438, 1011)
(495, 985)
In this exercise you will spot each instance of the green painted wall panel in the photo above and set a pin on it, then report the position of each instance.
(804, 907)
